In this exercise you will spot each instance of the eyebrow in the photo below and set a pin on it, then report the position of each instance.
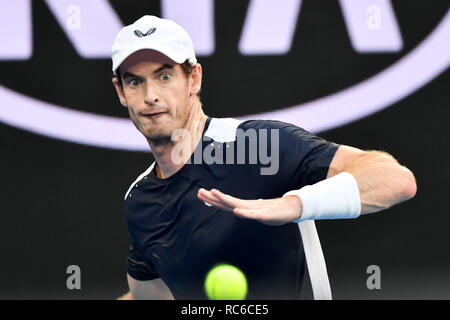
(127, 74)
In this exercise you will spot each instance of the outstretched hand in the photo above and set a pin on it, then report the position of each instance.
(276, 211)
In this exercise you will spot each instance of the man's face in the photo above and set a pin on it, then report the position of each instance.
(157, 93)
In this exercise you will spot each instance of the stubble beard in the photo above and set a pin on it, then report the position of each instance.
(159, 139)
(163, 136)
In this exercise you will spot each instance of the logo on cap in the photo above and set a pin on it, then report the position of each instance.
(140, 34)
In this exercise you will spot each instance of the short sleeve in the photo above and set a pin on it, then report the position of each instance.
(303, 158)
(138, 268)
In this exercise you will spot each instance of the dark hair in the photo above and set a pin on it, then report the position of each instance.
(185, 66)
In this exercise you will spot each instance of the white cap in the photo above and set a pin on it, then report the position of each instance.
(150, 32)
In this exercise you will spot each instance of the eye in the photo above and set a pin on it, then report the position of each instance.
(135, 82)
(165, 77)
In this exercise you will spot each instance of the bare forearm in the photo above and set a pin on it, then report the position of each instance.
(382, 181)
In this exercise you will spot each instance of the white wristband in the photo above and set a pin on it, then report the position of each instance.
(334, 198)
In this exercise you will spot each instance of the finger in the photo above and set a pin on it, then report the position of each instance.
(217, 204)
(205, 196)
(208, 196)
(229, 200)
(205, 193)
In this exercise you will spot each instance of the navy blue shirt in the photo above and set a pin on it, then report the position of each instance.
(177, 237)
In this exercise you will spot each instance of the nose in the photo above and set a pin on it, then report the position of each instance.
(151, 94)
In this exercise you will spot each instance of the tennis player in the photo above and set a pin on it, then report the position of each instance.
(223, 190)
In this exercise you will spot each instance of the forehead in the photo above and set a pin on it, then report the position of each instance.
(143, 60)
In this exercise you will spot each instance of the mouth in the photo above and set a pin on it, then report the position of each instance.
(152, 115)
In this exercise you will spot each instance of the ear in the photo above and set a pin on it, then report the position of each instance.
(196, 79)
(119, 91)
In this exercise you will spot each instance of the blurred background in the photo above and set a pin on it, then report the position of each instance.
(370, 74)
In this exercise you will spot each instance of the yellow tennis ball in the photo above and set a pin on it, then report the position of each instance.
(226, 282)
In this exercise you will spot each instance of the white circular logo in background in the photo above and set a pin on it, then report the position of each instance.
(430, 58)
